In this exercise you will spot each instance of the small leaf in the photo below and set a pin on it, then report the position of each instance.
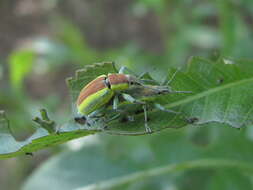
(75, 41)
(20, 65)
(45, 122)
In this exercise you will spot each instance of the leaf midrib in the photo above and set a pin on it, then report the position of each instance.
(208, 92)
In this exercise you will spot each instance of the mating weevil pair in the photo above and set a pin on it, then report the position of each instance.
(105, 89)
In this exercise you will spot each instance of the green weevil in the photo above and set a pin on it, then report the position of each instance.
(107, 88)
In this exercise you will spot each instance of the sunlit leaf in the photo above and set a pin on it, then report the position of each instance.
(20, 65)
(222, 94)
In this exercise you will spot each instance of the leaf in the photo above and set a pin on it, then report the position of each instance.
(92, 155)
(222, 93)
(49, 132)
(229, 179)
(117, 182)
(42, 138)
(84, 76)
(20, 65)
(75, 41)
(135, 160)
(228, 25)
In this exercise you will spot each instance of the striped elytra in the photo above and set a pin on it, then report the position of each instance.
(91, 88)
(100, 91)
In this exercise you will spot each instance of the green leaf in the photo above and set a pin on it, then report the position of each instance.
(229, 179)
(124, 156)
(98, 170)
(222, 94)
(158, 122)
(42, 138)
(228, 25)
(20, 65)
(50, 133)
(74, 40)
(135, 160)
(117, 182)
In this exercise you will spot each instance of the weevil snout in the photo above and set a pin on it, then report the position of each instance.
(163, 89)
(158, 89)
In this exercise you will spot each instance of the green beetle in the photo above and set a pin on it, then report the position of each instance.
(100, 91)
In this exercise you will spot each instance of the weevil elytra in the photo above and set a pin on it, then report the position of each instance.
(108, 88)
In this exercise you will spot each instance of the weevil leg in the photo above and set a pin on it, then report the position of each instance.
(142, 74)
(123, 69)
(114, 67)
(113, 118)
(173, 76)
(115, 102)
(147, 128)
(88, 121)
(98, 113)
(160, 107)
(144, 79)
(131, 99)
(183, 92)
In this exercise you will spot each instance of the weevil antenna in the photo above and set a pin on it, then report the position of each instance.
(114, 67)
(123, 69)
(149, 80)
(142, 74)
(173, 76)
(181, 92)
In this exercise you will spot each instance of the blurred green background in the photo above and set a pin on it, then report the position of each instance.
(43, 42)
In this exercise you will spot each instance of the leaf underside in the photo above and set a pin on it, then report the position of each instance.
(222, 94)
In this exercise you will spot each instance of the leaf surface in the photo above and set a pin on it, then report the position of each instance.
(161, 158)
(222, 94)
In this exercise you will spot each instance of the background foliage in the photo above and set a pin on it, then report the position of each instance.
(44, 42)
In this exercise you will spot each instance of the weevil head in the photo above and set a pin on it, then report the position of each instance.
(120, 82)
(147, 91)
(163, 89)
